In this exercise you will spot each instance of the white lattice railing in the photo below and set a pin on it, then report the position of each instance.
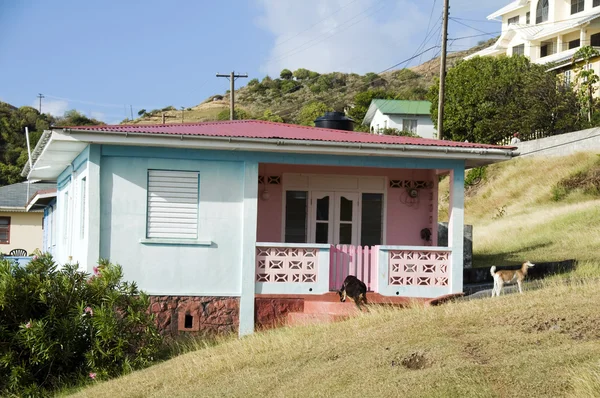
(286, 264)
(419, 268)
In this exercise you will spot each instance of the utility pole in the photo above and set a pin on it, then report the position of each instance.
(182, 110)
(40, 96)
(443, 73)
(131, 111)
(232, 76)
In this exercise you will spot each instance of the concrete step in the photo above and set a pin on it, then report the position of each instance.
(328, 307)
(301, 318)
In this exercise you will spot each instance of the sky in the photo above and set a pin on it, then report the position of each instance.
(108, 58)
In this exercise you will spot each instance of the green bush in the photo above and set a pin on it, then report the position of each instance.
(475, 176)
(61, 326)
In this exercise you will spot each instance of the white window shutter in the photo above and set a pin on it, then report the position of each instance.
(172, 204)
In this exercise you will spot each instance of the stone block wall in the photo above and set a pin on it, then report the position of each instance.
(272, 312)
(198, 315)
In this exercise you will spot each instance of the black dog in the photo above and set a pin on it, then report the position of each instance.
(355, 289)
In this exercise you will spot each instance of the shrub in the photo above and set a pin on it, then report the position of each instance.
(397, 132)
(61, 326)
(475, 176)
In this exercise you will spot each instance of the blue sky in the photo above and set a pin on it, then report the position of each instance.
(100, 57)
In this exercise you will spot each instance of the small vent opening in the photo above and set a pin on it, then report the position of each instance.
(188, 322)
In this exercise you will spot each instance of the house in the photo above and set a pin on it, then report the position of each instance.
(20, 223)
(547, 31)
(412, 116)
(225, 223)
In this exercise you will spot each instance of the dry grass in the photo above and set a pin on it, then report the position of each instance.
(533, 225)
(515, 346)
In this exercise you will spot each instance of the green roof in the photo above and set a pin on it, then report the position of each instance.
(402, 107)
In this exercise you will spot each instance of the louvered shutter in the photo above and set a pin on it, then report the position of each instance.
(172, 204)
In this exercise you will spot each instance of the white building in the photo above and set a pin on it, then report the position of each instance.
(413, 116)
(547, 31)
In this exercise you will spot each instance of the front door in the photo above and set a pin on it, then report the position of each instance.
(334, 217)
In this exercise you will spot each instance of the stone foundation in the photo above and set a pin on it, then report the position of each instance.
(197, 315)
(272, 312)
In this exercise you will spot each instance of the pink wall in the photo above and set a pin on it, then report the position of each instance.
(404, 222)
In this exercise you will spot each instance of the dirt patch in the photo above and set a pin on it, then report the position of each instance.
(414, 361)
(474, 353)
(577, 329)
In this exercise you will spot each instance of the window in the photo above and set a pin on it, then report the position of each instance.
(576, 6)
(541, 11)
(573, 44)
(528, 17)
(545, 50)
(65, 226)
(595, 39)
(371, 228)
(596, 3)
(82, 219)
(5, 230)
(172, 204)
(296, 214)
(409, 125)
(519, 50)
(513, 20)
(567, 76)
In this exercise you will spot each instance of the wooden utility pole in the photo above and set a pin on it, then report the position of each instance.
(40, 96)
(232, 76)
(443, 73)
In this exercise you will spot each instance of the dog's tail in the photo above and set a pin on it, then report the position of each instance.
(493, 270)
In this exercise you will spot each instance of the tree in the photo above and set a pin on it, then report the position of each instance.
(489, 98)
(286, 74)
(311, 111)
(301, 74)
(362, 101)
(586, 80)
(238, 114)
(396, 132)
(75, 118)
(271, 117)
(142, 112)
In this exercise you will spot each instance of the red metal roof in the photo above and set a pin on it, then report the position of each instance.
(270, 130)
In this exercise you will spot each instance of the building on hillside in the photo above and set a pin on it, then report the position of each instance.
(20, 221)
(412, 116)
(547, 31)
(231, 224)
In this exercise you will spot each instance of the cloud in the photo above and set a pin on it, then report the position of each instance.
(53, 107)
(342, 35)
(363, 35)
(97, 115)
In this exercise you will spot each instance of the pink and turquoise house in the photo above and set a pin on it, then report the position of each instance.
(222, 222)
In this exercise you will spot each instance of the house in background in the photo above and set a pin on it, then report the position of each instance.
(412, 116)
(547, 31)
(228, 225)
(20, 222)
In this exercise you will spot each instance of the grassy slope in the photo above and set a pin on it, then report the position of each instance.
(544, 343)
(533, 226)
(516, 346)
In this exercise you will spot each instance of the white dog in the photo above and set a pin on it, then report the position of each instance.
(509, 276)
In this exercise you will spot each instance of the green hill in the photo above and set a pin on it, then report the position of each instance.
(284, 97)
(543, 343)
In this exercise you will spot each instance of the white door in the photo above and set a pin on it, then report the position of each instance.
(334, 217)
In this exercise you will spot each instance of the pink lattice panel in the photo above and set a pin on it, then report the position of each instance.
(419, 268)
(286, 264)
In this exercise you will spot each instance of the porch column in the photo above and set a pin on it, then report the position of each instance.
(559, 43)
(250, 214)
(456, 227)
(93, 221)
(582, 34)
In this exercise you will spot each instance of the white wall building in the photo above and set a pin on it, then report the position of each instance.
(413, 116)
(547, 31)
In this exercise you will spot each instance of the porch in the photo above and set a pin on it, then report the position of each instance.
(318, 224)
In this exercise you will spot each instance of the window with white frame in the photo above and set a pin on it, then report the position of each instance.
(172, 204)
(528, 17)
(541, 11)
(567, 76)
(65, 226)
(82, 207)
(518, 50)
(409, 125)
(513, 20)
(576, 6)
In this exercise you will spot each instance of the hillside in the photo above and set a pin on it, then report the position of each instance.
(543, 209)
(284, 97)
(543, 343)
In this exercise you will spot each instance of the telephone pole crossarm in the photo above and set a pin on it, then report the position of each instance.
(232, 77)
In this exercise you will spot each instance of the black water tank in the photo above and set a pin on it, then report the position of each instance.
(335, 120)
